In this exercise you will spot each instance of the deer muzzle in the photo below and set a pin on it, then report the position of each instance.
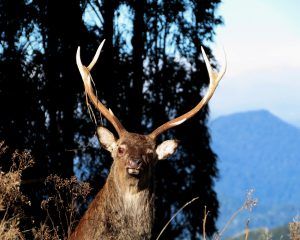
(134, 166)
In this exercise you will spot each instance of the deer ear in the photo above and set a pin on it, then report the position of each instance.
(166, 149)
(106, 138)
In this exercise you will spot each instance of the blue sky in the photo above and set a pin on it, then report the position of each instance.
(262, 43)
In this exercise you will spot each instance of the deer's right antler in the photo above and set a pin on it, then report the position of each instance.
(86, 77)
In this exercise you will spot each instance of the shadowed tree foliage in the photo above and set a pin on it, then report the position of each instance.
(39, 94)
(150, 70)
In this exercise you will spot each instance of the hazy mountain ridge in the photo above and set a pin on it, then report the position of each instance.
(257, 150)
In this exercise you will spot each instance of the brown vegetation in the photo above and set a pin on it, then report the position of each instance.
(66, 199)
(11, 198)
(295, 230)
(70, 194)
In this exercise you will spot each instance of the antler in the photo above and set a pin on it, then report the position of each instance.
(214, 79)
(86, 77)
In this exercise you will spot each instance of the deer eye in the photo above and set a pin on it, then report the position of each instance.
(121, 150)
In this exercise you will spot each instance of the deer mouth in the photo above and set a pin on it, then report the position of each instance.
(133, 171)
(134, 167)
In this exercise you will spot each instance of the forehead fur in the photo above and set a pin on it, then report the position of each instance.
(137, 140)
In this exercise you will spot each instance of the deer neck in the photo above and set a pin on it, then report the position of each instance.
(133, 202)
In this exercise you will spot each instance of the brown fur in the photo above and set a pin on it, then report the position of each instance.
(124, 208)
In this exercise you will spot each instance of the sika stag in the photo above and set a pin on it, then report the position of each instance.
(124, 207)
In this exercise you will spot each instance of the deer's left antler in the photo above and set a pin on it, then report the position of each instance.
(214, 79)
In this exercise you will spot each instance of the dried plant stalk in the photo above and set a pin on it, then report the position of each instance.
(294, 230)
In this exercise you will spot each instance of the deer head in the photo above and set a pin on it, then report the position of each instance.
(135, 154)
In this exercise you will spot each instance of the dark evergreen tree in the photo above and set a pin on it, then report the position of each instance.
(39, 91)
(138, 76)
(156, 88)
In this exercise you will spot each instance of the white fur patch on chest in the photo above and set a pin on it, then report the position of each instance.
(132, 201)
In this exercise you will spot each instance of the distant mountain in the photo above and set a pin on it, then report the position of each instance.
(257, 150)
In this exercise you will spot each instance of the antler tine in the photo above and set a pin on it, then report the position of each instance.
(95, 58)
(86, 77)
(214, 79)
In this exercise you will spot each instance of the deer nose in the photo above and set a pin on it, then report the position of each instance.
(134, 163)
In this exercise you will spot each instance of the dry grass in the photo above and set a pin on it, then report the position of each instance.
(63, 202)
(68, 196)
(180, 209)
(11, 198)
(295, 230)
(248, 204)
